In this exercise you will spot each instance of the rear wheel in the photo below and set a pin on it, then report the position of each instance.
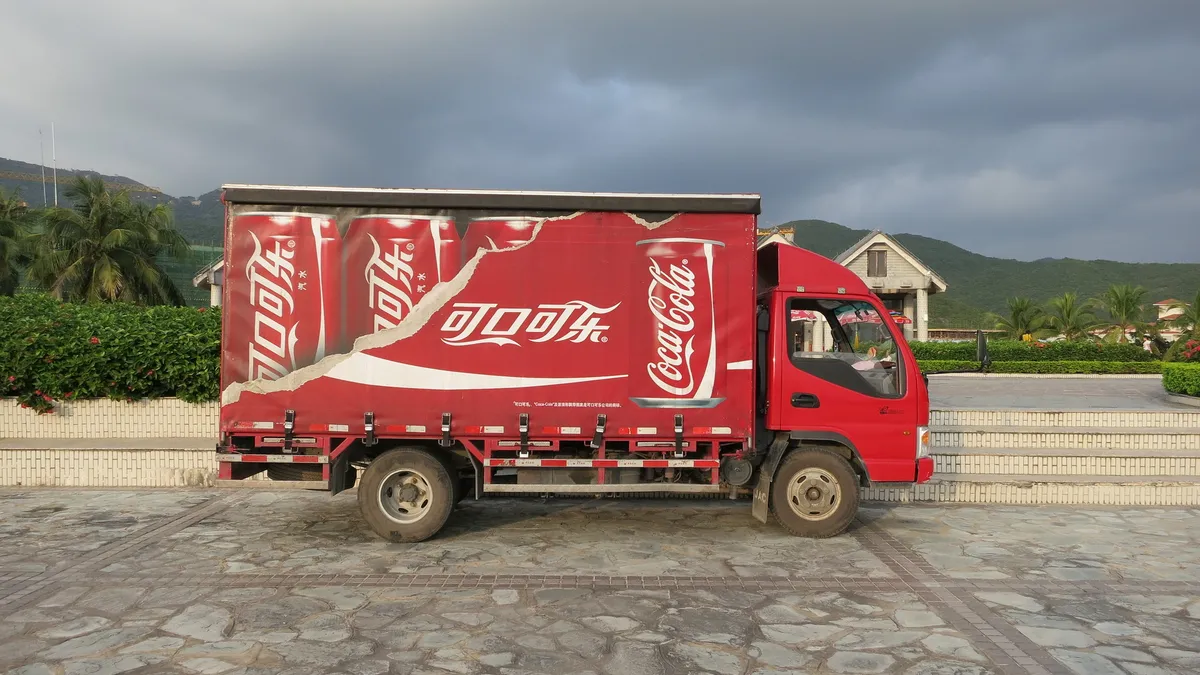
(406, 495)
(815, 493)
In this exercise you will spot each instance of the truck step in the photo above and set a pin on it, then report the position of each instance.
(275, 484)
(631, 488)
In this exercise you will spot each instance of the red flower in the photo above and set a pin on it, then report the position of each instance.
(202, 309)
(94, 340)
(37, 392)
(149, 372)
(12, 378)
(45, 397)
(69, 394)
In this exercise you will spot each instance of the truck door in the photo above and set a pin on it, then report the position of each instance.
(844, 378)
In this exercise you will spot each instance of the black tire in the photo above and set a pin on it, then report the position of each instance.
(430, 501)
(830, 479)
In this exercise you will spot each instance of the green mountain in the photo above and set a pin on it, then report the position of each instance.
(979, 284)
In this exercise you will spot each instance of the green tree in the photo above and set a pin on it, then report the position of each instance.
(1123, 304)
(1024, 317)
(16, 225)
(1189, 320)
(1070, 317)
(105, 248)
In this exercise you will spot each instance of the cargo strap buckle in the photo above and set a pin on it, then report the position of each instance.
(523, 428)
(445, 441)
(678, 436)
(369, 428)
(598, 439)
(289, 423)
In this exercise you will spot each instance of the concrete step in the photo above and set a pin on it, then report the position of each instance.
(1066, 462)
(1093, 438)
(1082, 419)
(1038, 489)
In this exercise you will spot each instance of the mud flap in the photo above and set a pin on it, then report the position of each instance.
(761, 506)
(342, 476)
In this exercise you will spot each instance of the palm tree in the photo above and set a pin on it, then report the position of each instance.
(16, 221)
(105, 248)
(1189, 320)
(1024, 317)
(1070, 317)
(1123, 304)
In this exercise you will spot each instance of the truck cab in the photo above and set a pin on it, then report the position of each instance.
(840, 398)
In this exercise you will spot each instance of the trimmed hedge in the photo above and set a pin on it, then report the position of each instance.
(1047, 367)
(1182, 378)
(1015, 350)
(51, 350)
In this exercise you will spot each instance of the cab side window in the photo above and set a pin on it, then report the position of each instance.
(846, 343)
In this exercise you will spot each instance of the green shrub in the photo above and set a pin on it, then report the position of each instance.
(51, 350)
(1048, 367)
(1015, 350)
(1182, 378)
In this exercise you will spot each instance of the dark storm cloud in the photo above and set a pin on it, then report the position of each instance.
(1018, 128)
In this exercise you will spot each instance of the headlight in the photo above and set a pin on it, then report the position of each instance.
(922, 442)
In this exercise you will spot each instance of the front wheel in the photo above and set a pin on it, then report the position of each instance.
(406, 495)
(815, 493)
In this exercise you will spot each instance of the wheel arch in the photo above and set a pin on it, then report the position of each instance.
(835, 442)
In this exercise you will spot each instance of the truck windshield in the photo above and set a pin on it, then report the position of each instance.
(847, 343)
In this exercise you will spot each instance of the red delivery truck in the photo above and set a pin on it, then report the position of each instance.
(429, 345)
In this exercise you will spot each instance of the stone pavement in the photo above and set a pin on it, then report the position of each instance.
(242, 582)
(1050, 393)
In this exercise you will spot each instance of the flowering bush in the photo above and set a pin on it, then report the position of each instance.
(1185, 350)
(54, 351)
(1046, 367)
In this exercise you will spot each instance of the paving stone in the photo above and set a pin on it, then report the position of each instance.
(634, 658)
(867, 624)
(874, 639)
(1086, 663)
(1014, 600)
(935, 667)
(1149, 604)
(470, 618)
(171, 596)
(498, 659)
(1124, 654)
(697, 657)
(155, 644)
(341, 599)
(1118, 629)
(505, 596)
(1147, 669)
(65, 597)
(586, 644)
(327, 627)
(780, 614)
(111, 666)
(95, 644)
(1053, 637)
(203, 622)
(859, 662)
(34, 669)
(610, 624)
(1193, 610)
(917, 619)
(799, 635)
(208, 666)
(954, 647)
(772, 654)
(76, 627)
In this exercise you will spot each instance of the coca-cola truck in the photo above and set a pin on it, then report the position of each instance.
(429, 345)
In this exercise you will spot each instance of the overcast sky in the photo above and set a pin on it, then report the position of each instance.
(1021, 128)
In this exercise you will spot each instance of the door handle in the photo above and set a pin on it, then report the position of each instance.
(805, 401)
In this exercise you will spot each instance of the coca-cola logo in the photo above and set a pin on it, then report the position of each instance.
(475, 323)
(672, 372)
(270, 271)
(389, 283)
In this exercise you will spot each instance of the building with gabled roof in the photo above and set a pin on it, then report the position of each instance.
(898, 277)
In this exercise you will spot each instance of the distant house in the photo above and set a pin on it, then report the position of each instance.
(898, 277)
(1168, 311)
(210, 277)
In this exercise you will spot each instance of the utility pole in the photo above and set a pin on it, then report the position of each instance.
(42, 143)
(54, 158)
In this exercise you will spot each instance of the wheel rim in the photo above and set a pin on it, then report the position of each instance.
(406, 496)
(814, 494)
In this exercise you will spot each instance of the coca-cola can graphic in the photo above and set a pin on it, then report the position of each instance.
(495, 233)
(674, 346)
(283, 271)
(392, 261)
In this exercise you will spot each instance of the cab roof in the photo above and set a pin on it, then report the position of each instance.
(797, 269)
